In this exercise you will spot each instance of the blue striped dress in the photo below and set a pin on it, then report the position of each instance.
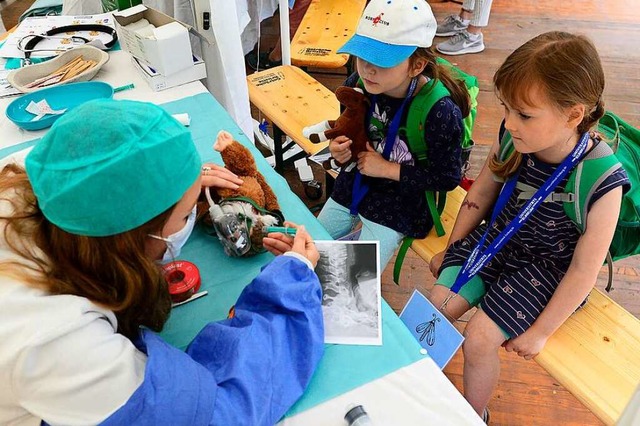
(523, 276)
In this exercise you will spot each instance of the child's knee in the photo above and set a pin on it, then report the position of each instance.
(481, 339)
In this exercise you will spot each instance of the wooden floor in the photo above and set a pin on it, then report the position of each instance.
(526, 394)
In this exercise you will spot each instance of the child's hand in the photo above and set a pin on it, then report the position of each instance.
(340, 149)
(372, 163)
(219, 177)
(527, 345)
(436, 262)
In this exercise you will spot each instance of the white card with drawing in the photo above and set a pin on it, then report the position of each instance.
(431, 329)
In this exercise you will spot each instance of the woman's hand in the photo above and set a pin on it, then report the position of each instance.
(372, 163)
(278, 243)
(340, 149)
(436, 262)
(528, 344)
(217, 176)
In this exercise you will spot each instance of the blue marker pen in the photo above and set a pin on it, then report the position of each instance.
(281, 229)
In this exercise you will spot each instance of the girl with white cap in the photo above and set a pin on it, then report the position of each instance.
(106, 193)
(386, 191)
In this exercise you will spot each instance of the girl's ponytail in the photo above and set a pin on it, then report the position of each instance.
(456, 87)
(590, 119)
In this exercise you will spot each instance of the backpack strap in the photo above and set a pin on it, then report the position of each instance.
(596, 166)
(423, 101)
(431, 92)
(473, 88)
(506, 146)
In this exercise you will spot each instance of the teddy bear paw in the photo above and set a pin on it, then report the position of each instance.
(223, 140)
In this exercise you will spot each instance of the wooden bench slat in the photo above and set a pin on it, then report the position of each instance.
(292, 100)
(325, 27)
(595, 354)
(432, 244)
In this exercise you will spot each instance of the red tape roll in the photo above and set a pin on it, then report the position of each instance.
(183, 278)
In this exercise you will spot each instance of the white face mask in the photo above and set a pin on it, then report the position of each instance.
(177, 240)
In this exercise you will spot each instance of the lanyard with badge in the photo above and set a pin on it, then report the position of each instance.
(479, 257)
(360, 186)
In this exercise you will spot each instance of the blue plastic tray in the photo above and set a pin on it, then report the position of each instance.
(59, 97)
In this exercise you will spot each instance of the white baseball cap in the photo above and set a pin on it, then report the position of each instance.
(390, 31)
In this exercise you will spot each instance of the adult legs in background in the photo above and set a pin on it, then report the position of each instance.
(465, 28)
(264, 61)
(295, 17)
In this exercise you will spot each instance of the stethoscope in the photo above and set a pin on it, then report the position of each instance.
(34, 39)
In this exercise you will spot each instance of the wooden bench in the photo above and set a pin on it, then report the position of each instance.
(595, 354)
(325, 27)
(292, 100)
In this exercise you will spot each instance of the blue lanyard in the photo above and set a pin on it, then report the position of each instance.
(477, 260)
(360, 187)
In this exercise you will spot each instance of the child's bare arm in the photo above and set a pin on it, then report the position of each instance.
(475, 207)
(478, 202)
(581, 276)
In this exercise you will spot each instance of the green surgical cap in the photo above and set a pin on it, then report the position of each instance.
(108, 166)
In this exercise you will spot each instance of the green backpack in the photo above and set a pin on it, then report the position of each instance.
(623, 149)
(431, 93)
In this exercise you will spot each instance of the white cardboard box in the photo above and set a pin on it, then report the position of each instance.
(158, 81)
(168, 52)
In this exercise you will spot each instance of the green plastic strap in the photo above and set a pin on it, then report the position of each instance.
(433, 210)
(397, 266)
(275, 213)
(419, 108)
(442, 201)
(506, 146)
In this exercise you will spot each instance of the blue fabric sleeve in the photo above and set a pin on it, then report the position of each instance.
(247, 370)
(443, 136)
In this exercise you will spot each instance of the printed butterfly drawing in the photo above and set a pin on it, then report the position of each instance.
(428, 330)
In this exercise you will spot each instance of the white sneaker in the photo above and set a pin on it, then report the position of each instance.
(452, 25)
(461, 43)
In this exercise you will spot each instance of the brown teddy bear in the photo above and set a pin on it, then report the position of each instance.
(239, 160)
(262, 210)
(351, 124)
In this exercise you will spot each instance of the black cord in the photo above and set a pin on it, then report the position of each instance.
(31, 44)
